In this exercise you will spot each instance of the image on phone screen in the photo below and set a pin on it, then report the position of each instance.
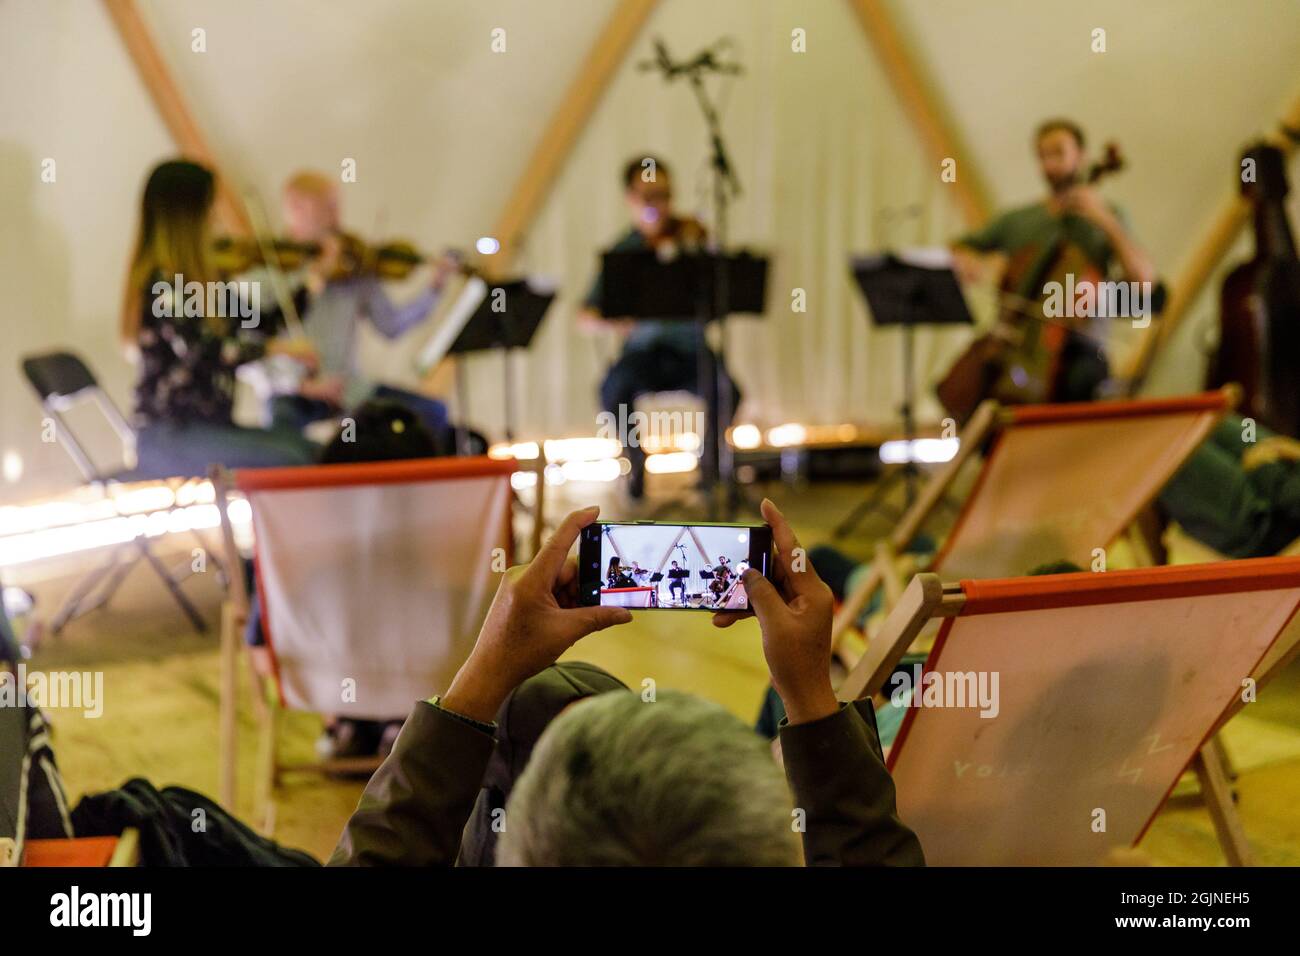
(695, 567)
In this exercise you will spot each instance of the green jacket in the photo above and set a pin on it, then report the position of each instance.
(415, 808)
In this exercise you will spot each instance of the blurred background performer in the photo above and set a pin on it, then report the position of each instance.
(1030, 237)
(658, 355)
(336, 305)
(185, 384)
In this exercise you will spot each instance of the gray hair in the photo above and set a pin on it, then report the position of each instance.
(615, 781)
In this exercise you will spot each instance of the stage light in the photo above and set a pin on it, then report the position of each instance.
(487, 246)
(783, 436)
(520, 451)
(12, 466)
(746, 436)
(58, 541)
(671, 463)
(931, 451)
(742, 537)
(581, 449)
(606, 469)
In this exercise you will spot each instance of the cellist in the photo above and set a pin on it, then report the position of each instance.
(1074, 213)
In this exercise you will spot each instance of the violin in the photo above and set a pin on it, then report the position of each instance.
(1019, 361)
(389, 260)
(683, 233)
(1259, 305)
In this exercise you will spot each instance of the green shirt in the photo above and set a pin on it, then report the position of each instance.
(680, 335)
(1036, 227)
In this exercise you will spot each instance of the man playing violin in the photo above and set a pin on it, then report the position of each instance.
(659, 355)
(1073, 213)
(336, 305)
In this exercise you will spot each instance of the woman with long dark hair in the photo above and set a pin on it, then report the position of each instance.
(187, 350)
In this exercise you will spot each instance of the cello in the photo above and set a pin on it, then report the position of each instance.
(1259, 304)
(1019, 362)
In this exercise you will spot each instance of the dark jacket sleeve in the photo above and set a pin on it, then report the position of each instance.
(414, 809)
(839, 780)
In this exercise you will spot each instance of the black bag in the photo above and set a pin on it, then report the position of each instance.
(32, 801)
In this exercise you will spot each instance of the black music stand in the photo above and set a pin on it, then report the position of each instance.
(904, 290)
(506, 319)
(692, 286)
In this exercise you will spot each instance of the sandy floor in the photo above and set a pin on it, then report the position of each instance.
(160, 718)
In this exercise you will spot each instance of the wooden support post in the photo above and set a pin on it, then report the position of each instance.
(1201, 262)
(938, 137)
(172, 108)
(566, 125)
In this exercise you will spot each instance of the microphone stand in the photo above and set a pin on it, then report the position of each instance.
(725, 187)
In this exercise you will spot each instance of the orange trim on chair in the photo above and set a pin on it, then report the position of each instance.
(371, 473)
(1141, 584)
(1224, 398)
(76, 851)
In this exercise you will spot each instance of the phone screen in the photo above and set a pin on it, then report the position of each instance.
(671, 566)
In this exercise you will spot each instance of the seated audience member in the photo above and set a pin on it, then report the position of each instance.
(1241, 498)
(615, 780)
(381, 431)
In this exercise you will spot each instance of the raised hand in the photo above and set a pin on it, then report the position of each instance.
(534, 618)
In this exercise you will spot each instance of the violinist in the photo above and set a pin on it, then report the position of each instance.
(657, 355)
(184, 393)
(1073, 213)
(337, 302)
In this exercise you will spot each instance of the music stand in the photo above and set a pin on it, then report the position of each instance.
(906, 289)
(504, 316)
(692, 286)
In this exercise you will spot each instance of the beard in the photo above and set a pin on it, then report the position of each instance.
(1062, 181)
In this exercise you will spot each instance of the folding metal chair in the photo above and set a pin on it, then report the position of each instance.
(1108, 685)
(62, 381)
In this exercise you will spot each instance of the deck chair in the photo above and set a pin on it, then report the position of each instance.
(63, 382)
(373, 581)
(1109, 685)
(1057, 482)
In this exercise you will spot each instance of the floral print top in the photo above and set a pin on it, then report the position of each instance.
(187, 363)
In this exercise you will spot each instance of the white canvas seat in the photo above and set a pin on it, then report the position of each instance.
(1108, 685)
(373, 581)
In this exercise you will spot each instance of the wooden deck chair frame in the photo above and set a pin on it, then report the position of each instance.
(927, 598)
(234, 617)
(987, 422)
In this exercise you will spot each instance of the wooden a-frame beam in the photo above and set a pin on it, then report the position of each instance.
(566, 125)
(921, 105)
(1228, 220)
(172, 108)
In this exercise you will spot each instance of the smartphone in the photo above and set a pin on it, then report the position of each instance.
(652, 564)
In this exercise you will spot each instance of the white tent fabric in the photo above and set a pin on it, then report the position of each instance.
(373, 594)
(441, 127)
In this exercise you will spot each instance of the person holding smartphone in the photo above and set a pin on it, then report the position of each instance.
(568, 806)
